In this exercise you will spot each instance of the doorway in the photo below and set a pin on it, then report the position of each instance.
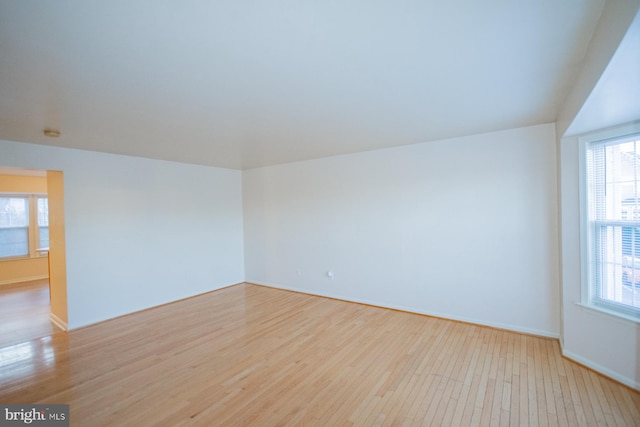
(33, 269)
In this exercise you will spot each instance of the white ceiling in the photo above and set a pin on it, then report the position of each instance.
(246, 83)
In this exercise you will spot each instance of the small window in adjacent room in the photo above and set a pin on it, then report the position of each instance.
(43, 222)
(14, 227)
(613, 226)
(24, 226)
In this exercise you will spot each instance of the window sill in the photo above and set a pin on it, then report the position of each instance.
(24, 258)
(613, 315)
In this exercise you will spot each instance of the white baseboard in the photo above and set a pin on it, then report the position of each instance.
(58, 322)
(602, 370)
(497, 325)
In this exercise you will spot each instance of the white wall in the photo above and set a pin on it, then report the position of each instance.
(463, 228)
(140, 232)
(605, 343)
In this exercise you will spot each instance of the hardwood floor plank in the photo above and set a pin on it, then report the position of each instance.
(551, 388)
(24, 310)
(254, 356)
(468, 367)
(595, 403)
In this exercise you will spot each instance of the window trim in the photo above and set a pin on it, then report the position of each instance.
(32, 229)
(587, 255)
(37, 249)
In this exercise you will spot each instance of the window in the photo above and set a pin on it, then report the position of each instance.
(43, 222)
(14, 226)
(24, 225)
(613, 206)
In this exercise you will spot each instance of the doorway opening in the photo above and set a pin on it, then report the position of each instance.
(32, 255)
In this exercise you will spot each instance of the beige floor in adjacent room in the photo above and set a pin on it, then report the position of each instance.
(251, 355)
(24, 312)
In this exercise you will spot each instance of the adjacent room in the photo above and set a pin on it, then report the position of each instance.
(24, 250)
(292, 213)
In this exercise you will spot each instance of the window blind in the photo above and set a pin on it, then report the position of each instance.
(613, 203)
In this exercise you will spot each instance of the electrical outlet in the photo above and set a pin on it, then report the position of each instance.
(330, 274)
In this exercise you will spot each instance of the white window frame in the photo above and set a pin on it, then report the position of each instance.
(587, 247)
(33, 230)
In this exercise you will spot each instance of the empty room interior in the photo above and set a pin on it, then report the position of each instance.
(321, 213)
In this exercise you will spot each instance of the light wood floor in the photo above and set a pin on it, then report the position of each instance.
(250, 355)
(24, 312)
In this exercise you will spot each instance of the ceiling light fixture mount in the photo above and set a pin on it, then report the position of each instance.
(52, 133)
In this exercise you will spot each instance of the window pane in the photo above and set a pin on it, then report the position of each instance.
(14, 242)
(44, 237)
(43, 222)
(619, 265)
(43, 212)
(14, 226)
(14, 212)
(621, 201)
